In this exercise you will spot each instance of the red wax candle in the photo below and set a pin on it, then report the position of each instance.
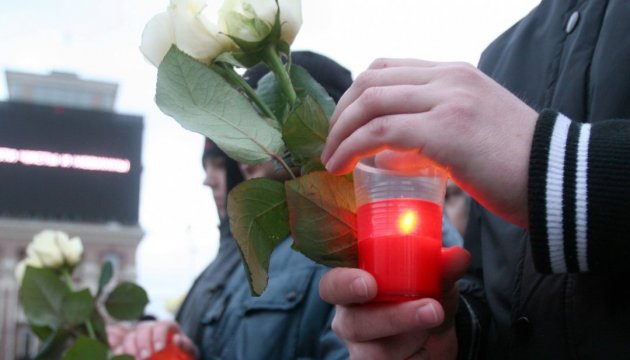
(171, 351)
(399, 242)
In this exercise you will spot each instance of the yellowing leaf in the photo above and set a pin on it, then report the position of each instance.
(322, 218)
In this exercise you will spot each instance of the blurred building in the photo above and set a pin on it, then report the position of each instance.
(67, 162)
(61, 89)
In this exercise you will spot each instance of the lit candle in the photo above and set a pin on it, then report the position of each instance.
(399, 225)
(399, 243)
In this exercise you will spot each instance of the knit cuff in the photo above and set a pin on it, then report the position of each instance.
(558, 194)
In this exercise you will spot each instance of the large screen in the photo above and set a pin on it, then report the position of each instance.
(69, 164)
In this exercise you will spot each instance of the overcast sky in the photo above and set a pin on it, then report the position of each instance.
(98, 40)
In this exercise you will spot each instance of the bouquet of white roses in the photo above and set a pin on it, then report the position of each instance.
(285, 119)
(69, 321)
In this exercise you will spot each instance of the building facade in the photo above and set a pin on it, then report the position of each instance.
(92, 174)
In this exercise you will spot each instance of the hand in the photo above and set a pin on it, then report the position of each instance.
(116, 334)
(149, 337)
(451, 112)
(419, 329)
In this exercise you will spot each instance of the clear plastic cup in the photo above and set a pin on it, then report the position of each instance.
(399, 226)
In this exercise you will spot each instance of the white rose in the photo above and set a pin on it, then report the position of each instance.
(237, 18)
(157, 38)
(72, 249)
(20, 268)
(186, 25)
(44, 247)
(54, 249)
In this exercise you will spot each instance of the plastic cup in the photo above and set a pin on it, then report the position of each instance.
(399, 227)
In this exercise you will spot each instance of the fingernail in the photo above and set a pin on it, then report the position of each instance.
(427, 314)
(144, 353)
(324, 156)
(330, 166)
(359, 287)
(158, 345)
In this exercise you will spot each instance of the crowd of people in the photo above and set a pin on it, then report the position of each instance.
(536, 140)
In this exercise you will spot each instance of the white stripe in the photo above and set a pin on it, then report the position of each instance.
(581, 197)
(553, 195)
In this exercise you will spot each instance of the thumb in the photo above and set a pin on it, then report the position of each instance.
(455, 262)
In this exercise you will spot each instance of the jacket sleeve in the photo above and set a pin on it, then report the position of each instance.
(579, 195)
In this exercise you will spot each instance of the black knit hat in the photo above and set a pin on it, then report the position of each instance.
(335, 78)
(234, 176)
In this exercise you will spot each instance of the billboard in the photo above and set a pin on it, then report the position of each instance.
(69, 164)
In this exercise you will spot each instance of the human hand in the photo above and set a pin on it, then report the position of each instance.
(116, 334)
(150, 337)
(418, 329)
(451, 112)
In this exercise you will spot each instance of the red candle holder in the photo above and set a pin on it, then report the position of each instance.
(399, 221)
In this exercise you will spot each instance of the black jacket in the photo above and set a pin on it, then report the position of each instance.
(572, 57)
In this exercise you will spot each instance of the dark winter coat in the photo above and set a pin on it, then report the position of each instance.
(572, 57)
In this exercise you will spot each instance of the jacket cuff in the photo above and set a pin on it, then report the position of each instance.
(557, 194)
(578, 195)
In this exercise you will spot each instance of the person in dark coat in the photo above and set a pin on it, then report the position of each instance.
(539, 135)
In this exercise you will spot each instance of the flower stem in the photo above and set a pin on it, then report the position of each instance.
(284, 165)
(90, 329)
(251, 93)
(67, 278)
(272, 59)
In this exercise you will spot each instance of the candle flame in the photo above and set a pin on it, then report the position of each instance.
(407, 222)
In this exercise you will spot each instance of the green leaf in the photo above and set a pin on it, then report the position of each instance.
(42, 332)
(126, 301)
(322, 218)
(76, 307)
(54, 345)
(86, 348)
(107, 271)
(98, 324)
(41, 295)
(123, 357)
(202, 101)
(259, 222)
(269, 90)
(312, 165)
(305, 84)
(305, 131)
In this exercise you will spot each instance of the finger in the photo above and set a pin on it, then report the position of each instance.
(375, 102)
(455, 263)
(380, 320)
(381, 75)
(396, 132)
(343, 286)
(115, 335)
(423, 354)
(184, 343)
(144, 338)
(129, 345)
(403, 346)
(398, 62)
(160, 334)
